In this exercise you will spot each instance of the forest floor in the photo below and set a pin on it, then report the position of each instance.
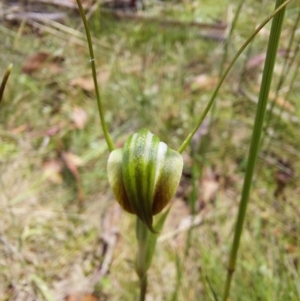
(62, 235)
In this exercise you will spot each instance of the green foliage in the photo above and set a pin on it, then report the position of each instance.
(255, 140)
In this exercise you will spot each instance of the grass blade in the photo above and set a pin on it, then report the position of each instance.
(215, 92)
(255, 140)
(4, 81)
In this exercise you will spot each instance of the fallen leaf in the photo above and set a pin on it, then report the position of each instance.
(39, 60)
(292, 249)
(20, 129)
(81, 297)
(72, 160)
(52, 170)
(87, 83)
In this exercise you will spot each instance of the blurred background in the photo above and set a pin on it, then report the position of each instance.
(62, 235)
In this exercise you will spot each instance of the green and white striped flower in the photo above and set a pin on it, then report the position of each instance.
(144, 175)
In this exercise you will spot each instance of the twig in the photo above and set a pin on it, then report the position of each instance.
(187, 223)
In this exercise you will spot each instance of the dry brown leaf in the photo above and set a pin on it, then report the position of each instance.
(81, 297)
(34, 62)
(292, 249)
(52, 170)
(79, 117)
(87, 83)
(20, 129)
(39, 60)
(73, 159)
(72, 162)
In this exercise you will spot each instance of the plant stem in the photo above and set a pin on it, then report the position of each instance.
(287, 64)
(215, 92)
(143, 288)
(142, 261)
(255, 140)
(93, 66)
(4, 81)
(146, 247)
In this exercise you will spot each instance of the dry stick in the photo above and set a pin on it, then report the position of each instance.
(255, 140)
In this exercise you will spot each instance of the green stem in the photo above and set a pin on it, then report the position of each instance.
(256, 135)
(212, 98)
(4, 81)
(142, 260)
(146, 247)
(93, 66)
(287, 64)
(143, 288)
